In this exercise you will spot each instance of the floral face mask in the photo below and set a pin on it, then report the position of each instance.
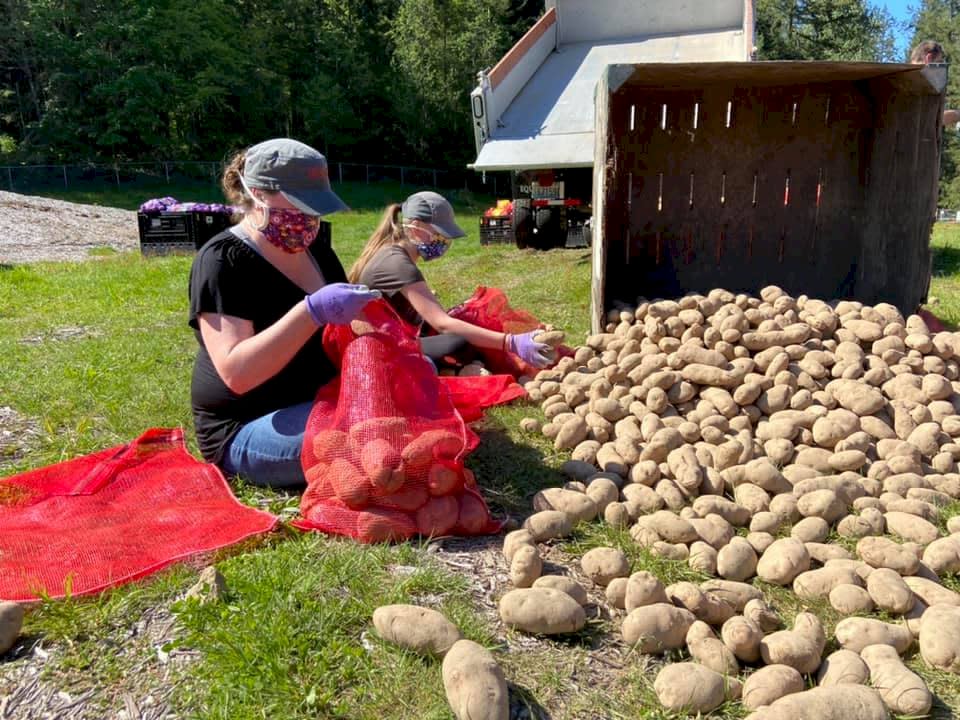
(433, 247)
(290, 230)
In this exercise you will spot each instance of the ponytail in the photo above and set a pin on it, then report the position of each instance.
(388, 232)
(232, 187)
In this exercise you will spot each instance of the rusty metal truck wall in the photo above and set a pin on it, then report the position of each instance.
(818, 177)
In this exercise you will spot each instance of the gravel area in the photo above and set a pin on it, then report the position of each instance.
(35, 229)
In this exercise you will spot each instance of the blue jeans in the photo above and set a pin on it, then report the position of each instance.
(266, 451)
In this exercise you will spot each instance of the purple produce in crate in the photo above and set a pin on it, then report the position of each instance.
(171, 204)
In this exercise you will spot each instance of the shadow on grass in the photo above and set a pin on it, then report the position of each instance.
(520, 697)
(946, 259)
(509, 473)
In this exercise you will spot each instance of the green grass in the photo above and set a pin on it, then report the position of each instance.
(293, 637)
(288, 643)
(945, 286)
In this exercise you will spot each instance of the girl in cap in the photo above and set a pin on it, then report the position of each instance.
(422, 229)
(259, 294)
(930, 52)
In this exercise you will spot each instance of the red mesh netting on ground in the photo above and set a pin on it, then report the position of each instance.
(97, 521)
(488, 308)
(384, 445)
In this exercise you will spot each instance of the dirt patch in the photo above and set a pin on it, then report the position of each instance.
(29, 689)
(18, 435)
(35, 229)
(59, 334)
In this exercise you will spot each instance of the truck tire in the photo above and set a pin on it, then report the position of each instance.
(547, 222)
(522, 226)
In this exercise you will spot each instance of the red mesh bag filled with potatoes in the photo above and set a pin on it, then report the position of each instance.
(384, 445)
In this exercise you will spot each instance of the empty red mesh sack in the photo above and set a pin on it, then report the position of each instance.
(384, 444)
(101, 520)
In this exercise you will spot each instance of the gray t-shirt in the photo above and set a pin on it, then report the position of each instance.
(389, 271)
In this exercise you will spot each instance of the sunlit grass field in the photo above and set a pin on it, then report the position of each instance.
(293, 638)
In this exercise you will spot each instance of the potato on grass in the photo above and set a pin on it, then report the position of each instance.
(759, 612)
(889, 591)
(564, 584)
(542, 611)
(707, 649)
(843, 667)
(420, 629)
(603, 564)
(838, 702)
(743, 637)
(801, 648)
(783, 561)
(516, 539)
(548, 524)
(904, 692)
(693, 688)
(849, 599)
(643, 588)
(857, 633)
(579, 506)
(474, 683)
(526, 566)
(11, 622)
(769, 684)
(657, 628)
(736, 594)
(940, 637)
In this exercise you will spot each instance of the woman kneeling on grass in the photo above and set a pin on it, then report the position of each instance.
(423, 228)
(260, 292)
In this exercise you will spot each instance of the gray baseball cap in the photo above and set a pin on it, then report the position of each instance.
(431, 208)
(296, 171)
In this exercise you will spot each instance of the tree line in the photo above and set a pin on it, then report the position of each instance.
(363, 80)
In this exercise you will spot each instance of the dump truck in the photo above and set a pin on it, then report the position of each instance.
(533, 112)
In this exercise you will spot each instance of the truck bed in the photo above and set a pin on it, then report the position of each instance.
(550, 123)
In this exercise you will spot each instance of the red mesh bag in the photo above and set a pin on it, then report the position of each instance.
(101, 520)
(488, 308)
(384, 444)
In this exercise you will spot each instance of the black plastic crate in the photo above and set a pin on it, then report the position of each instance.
(496, 230)
(178, 231)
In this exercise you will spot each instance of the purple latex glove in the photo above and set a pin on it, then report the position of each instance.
(537, 354)
(339, 303)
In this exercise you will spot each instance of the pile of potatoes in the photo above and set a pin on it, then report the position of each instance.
(744, 436)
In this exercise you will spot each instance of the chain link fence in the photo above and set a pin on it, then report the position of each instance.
(35, 179)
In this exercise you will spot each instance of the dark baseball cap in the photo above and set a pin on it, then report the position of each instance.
(296, 171)
(431, 208)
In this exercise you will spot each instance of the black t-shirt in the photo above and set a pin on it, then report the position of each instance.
(389, 271)
(229, 277)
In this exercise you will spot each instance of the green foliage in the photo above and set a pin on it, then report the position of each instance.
(131, 79)
(940, 20)
(440, 45)
(823, 30)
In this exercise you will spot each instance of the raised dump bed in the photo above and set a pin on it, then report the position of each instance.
(817, 177)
